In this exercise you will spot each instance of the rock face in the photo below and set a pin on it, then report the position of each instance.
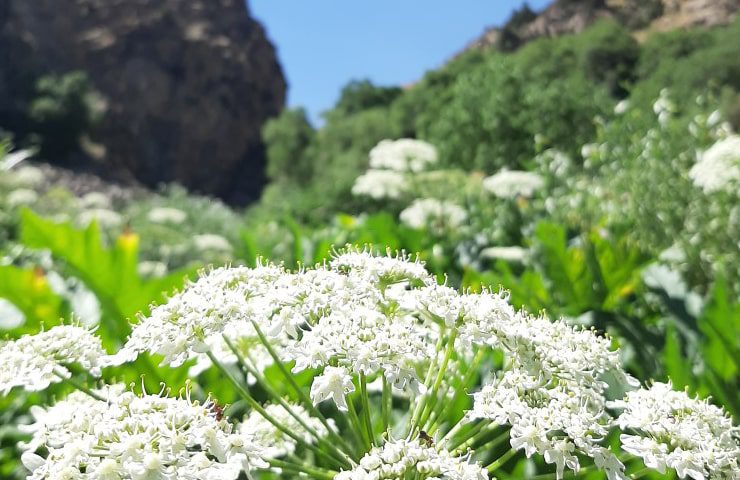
(564, 17)
(186, 84)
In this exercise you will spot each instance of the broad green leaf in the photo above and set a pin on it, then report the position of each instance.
(29, 291)
(109, 272)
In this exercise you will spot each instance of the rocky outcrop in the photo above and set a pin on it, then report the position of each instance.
(186, 84)
(564, 17)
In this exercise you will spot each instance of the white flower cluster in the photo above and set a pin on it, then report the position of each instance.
(553, 418)
(664, 107)
(136, 437)
(402, 459)
(438, 215)
(513, 183)
(552, 393)
(33, 362)
(189, 321)
(343, 311)
(392, 162)
(165, 215)
(403, 155)
(509, 254)
(718, 169)
(674, 430)
(275, 443)
(380, 184)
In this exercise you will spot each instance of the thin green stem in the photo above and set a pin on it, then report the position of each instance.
(450, 406)
(386, 405)
(257, 407)
(641, 473)
(487, 443)
(437, 382)
(301, 394)
(262, 381)
(300, 468)
(499, 462)
(470, 434)
(78, 386)
(366, 408)
(362, 433)
(427, 384)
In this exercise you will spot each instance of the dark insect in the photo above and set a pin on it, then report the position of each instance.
(218, 410)
(426, 439)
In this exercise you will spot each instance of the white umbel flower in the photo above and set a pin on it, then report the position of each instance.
(673, 430)
(437, 215)
(188, 322)
(334, 383)
(103, 216)
(380, 184)
(137, 437)
(33, 362)
(22, 196)
(718, 169)
(210, 242)
(513, 184)
(401, 459)
(403, 155)
(166, 215)
(509, 254)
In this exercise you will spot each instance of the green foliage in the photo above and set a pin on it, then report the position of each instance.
(610, 56)
(65, 108)
(688, 61)
(509, 39)
(359, 95)
(287, 138)
(110, 273)
(29, 291)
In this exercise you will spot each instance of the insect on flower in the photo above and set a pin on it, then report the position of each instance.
(426, 439)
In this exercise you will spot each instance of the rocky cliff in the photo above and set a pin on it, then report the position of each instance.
(573, 16)
(186, 84)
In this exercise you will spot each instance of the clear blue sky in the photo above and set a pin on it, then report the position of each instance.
(323, 44)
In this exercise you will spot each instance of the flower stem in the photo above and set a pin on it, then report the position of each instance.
(437, 382)
(366, 408)
(356, 423)
(298, 468)
(273, 394)
(472, 370)
(301, 394)
(257, 407)
(386, 405)
(78, 386)
(496, 464)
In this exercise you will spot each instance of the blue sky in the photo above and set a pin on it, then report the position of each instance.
(323, 44)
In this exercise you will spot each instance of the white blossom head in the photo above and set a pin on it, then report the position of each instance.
(668, 428)
(437, 215)
(190, 320)
(165, 215)
(33, 362)
(513, 184)
(510, 254)
(718, 169)
(135, 436)
(380, 184)
(403, 155)
(402, 459)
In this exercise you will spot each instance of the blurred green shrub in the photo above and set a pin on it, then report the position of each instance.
(65, 108)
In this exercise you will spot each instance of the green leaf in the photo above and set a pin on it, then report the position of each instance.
(29, 291)
(110, 273)
(677, 367)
